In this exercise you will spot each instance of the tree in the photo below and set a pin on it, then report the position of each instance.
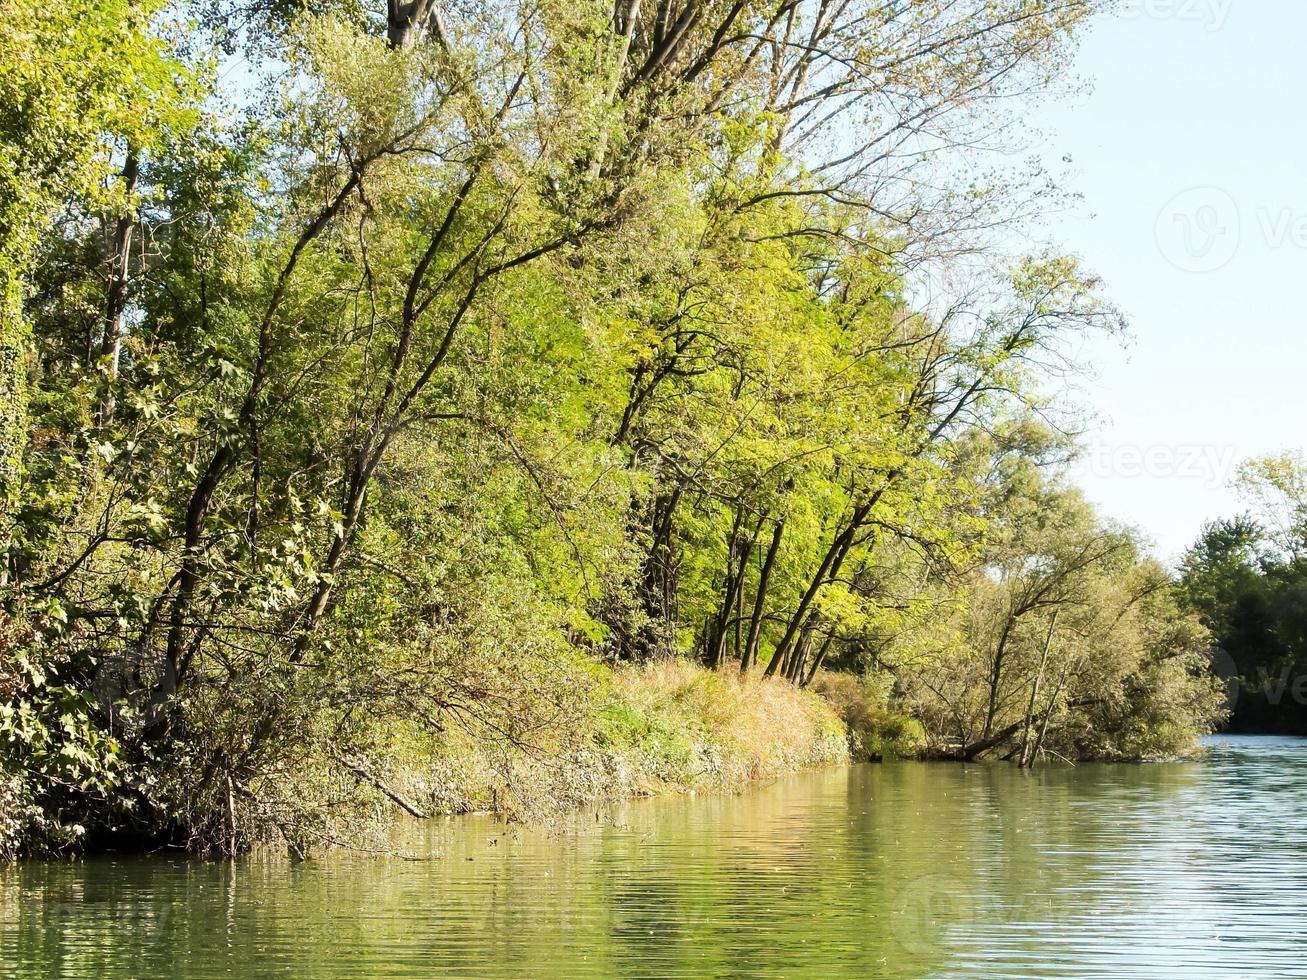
(1064, 641)
(493, 343)
(1245, 578)
(83, 85)
(1276, 486)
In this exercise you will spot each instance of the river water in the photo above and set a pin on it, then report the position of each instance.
(900, 870)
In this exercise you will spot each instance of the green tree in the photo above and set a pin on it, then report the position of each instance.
(85, 86)
(486, 345)
(1245, 578)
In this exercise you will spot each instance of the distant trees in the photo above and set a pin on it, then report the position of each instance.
(1061, 639)
(1246, 577)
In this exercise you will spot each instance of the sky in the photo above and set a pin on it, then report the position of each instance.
(1190, 154)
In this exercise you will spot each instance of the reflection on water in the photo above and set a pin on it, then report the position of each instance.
(906, 870)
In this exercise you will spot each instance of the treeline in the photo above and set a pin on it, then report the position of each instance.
(1246, 577)
(383, 377)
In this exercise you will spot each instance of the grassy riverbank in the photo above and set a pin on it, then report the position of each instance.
(667, 727)
(562, 742)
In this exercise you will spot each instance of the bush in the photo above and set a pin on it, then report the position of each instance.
(875, 733)
(679, 725)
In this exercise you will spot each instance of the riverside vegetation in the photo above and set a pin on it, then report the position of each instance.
(1246, 578)
(510, 404)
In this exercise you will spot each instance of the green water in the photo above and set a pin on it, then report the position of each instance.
(905, 870)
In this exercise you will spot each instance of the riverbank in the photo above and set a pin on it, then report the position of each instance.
(528, 746)
(664, 728)
(530, 749)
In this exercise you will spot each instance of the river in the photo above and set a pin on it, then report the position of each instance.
(899, 870)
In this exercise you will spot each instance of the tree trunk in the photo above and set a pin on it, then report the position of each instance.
(995, 674)
(818, 660)
(1048, 713)
(658, 578)
(829, 568)
(116, 294)
(405, 19)
(741, 547)
(1027, 757)
(794, 666)
(975, 749)
(760, 598)
(715, 636)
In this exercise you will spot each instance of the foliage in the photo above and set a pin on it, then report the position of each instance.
(384, 404)
(1246, 578)
(77, 81)
(1064, 641)
(874, 731)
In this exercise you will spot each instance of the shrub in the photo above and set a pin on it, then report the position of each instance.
(874, 732)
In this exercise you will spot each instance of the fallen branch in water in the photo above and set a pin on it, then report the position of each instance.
(361, 770)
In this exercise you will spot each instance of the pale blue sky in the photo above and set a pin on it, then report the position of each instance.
(1191, 155)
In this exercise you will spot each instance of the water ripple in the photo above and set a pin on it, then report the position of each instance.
(1178, 870)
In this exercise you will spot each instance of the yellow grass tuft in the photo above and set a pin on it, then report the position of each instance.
(730, 729)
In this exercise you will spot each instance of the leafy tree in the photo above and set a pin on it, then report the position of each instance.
(1064, 640)
(486, 345)
(83, 84)
(1246, 578)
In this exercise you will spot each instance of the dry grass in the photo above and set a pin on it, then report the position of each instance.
(663, 728)
(689, 727)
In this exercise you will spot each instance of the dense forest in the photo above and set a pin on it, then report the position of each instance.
(506, 403)
(1246, 577)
